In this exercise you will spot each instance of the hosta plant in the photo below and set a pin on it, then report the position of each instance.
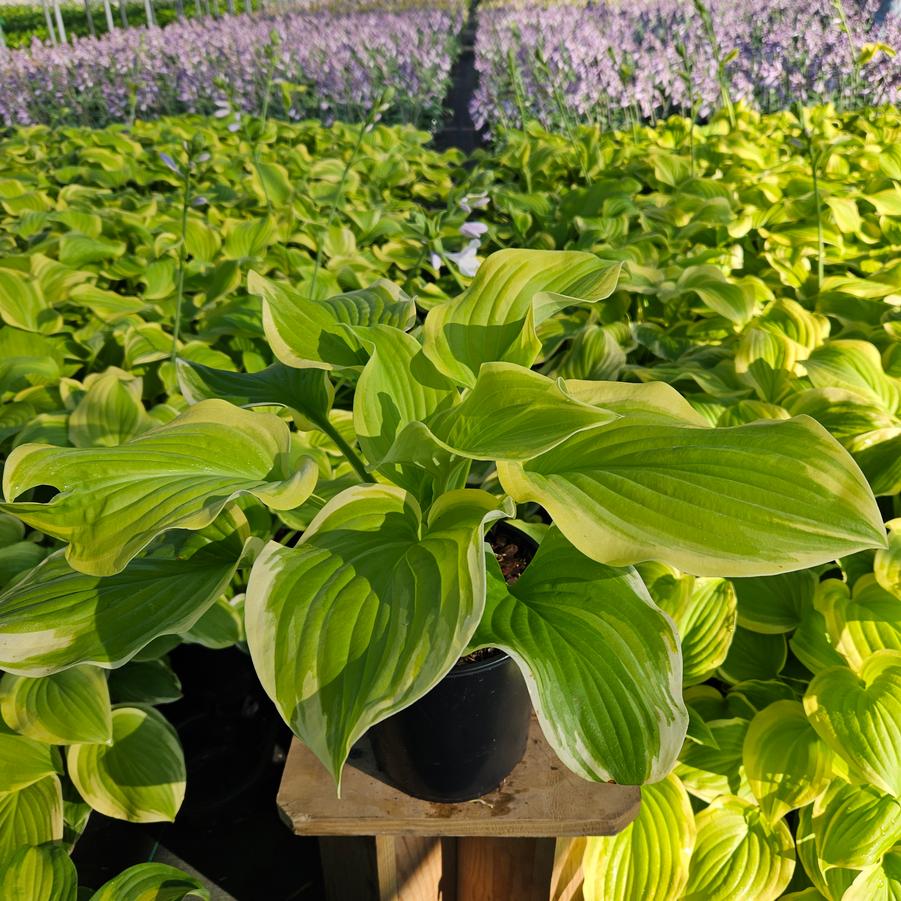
(388, 583)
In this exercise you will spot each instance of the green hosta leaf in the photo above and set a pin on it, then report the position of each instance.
(513, 413)
(855, 366)
(859, 716)
(879, 457)
(709, 771)
(31, 816)
(811, 645)
(114, 501)
(110, 413)
(23, 305)
(774, 604)
(514, 291)
(398, 386)
(248, 239)
(651, 401)
(24, 761)
(855, 825)
(787, 763)
(66, 708)
(220, 627)
(151, 882)
(308, 393)
(738, 854)
(17, 558)
(40, 873)
(887, 564)
(368, 611)
(862, 622)
(649, 858)
(57, 618)
(140, 776)
(729, 300)
(844, 414)
(753, 655)
(600, 659)
(752, 500)
(144, 682)
(705, 622)
(593, 354)
(309, 333)
(881, 882)
(78, 250)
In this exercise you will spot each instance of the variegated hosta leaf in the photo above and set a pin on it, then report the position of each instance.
(66, 708)
(859, 716)
(398, 386)
(832, 882)
(854, 825)
(649, 858)
(24, 761)
(146, 881)
(110, 412)
(774, 604)
(601, 661)
(705, 621)
(311, 334)
(139, 776)
(40, 873)
(860, 622)
(113, 501)
(879, 456)
(56, 618)
(765, 361)
(308, 393)
(738, 854)
(513, 413)
(30, 816)
(879, 882)
(887, 564)
(752, 500)
(513, 292)
(787, 764)
(649, 401)
(708, 771)
(843, 413)
(732, 301)
(855, 366)
(368, 611)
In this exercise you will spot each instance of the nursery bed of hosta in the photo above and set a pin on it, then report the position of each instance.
(214, 336)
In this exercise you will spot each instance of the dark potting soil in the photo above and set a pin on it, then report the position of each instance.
(514, 552)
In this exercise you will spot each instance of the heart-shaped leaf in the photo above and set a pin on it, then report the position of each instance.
(787, 764)
(146, 881)
(368, 611)
(855, 825)
(738, 854)
(309, 333)
(887, 563)
(859, 716)
(513, 292)
(113, 501)
(66, 708)
(600, 659)
(751, 500)
(774, 604)
(140, 776)
(24, 761)
(649, 858)
(30, 816)
(56, 617)
(40, 873)
(715, 769)
(880, 882)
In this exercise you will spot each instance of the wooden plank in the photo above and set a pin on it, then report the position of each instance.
(500, 869)
(349, 868)
(567, 879)
(539, 798)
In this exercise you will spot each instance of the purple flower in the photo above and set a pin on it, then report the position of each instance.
(473, 229)
(466, 260)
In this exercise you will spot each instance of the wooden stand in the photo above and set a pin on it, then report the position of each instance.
(520, 842)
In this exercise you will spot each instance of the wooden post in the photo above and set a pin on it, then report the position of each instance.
(520, 843)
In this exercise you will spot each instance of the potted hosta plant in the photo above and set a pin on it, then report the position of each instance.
(388, 584)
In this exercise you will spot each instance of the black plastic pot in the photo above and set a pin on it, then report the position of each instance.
(463, 738)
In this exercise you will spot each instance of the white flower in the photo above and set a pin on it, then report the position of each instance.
(473, 229)
(474, 202)
(435, 260)
(466, 259)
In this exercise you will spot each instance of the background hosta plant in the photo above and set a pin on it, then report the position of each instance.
(387, 586)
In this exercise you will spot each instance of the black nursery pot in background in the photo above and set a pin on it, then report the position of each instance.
(463, 738)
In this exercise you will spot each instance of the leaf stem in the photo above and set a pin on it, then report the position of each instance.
(352, 457)
(182, 254)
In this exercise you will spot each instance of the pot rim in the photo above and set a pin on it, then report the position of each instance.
(478, 666)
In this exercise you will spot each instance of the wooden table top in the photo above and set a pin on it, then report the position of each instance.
(541, 797)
